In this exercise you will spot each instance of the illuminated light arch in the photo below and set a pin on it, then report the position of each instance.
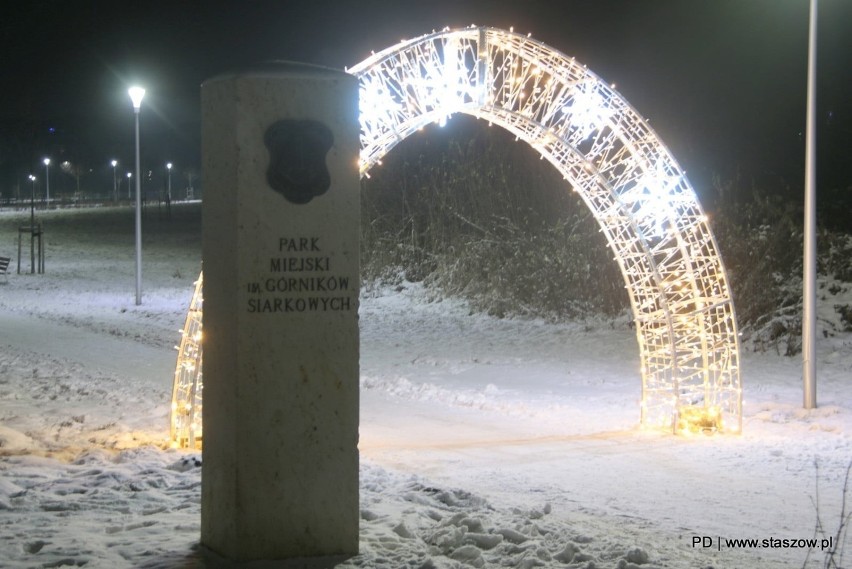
(646, 208)
(188, 383)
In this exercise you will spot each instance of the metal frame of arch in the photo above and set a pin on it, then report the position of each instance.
(607, 153)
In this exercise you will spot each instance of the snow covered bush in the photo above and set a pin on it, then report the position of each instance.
(759, 232)
(760, 240)
(835, 254)
(474, 213)
(469, 210)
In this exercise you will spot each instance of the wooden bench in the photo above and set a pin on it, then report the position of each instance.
(4, 267)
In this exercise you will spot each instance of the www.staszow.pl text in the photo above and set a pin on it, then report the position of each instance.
(720, 543)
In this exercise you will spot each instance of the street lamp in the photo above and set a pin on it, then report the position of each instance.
(47, 181)
(32, 196)
(169, 190)
(129, 175)
(136, 94)
(114, 181)
(809, 276)
(32, 225)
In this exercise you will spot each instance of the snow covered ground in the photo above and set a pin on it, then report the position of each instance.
(484, 442)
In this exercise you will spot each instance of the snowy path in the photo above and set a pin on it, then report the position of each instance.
(121, 356)
(666, 488)
(526, 415)
(508, 408)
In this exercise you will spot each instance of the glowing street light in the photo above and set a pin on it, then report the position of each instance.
(47, 181)
(136, 95)
(114, 181)
(169, 190)
(129, 175)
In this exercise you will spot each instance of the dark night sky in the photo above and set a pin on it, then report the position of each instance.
(722, 81)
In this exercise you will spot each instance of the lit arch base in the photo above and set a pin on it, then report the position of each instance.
(646, 208)
(188, 383)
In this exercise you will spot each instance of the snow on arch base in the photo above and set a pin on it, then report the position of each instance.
(646, 208)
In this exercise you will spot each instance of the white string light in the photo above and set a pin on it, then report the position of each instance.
(649, 213)
(186, 392)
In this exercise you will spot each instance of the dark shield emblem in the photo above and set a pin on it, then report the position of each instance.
(297, 150)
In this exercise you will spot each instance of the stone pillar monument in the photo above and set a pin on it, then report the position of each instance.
(280, 251)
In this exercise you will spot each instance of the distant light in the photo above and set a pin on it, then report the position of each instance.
(130, 174)
(114, 163)
(33, 178)
(47, 161)
(136, 95)
(169, 165)
(51, 130)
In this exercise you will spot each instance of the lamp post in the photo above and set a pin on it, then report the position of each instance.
(47, 181)
(169, 187)
(169, 190)
(114, 181)
(32, 225)
(129, 175)
(136, 95)
(32, 201)
(809, 277)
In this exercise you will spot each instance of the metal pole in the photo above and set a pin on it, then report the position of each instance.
(809, 277)
(138, 218)
(32, 226)
(169, 194)
(47, 182)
